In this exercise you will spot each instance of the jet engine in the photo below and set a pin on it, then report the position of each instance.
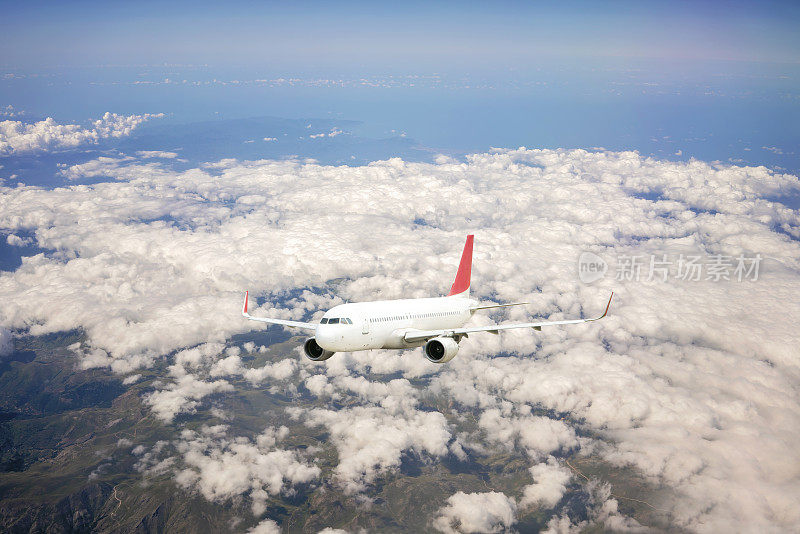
(441, 349)
(315, 352)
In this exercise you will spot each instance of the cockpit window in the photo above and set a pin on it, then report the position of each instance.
(336, 320)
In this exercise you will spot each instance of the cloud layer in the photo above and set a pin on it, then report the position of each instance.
(17, 137)
(691, 382)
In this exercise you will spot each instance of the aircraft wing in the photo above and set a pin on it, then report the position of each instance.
(490, 306)
(417, 335)
(282, 322)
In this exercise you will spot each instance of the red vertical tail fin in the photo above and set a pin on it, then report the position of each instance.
(462, 281)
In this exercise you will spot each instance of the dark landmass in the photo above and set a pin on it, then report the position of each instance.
(63, 467)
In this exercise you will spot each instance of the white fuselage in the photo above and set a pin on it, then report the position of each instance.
(382, 324)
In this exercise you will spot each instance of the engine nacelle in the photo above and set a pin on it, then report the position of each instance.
(315, 352)
(441, 349)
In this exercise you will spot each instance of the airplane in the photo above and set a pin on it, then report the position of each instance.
(437, 323)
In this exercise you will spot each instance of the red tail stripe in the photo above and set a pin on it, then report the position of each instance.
(464, 273)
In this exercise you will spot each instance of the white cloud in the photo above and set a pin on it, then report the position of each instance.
(9, 110)
(692, 384)
(152, 462)
(16, 241)
(538, 436)
(17, 137)
(281, 370)
(192, 377)
(156, 154)
(371, 440)
(132, 379)
(232, 366)
(476, 512)
(267, 526)
(549, 484)
(221, 468)
(319, 386)
(199, 356)
(602, 513)
(333, 133)
(183, 396)
(442, 159)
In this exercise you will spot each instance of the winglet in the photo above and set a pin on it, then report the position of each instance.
(462, 282)
(244, 308)
(607, 306)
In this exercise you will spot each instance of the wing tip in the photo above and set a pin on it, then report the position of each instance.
(244, 307)
(608, 305)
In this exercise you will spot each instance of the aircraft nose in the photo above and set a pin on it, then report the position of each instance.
(324, 336)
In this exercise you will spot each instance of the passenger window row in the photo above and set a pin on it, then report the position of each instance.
(415, 316)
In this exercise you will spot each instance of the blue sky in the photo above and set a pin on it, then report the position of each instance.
(711, 80)
(346, 35)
